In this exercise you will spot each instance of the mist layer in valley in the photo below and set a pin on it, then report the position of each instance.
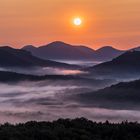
(42, 100)
(46, 90)
(45, 97)
(50, 99)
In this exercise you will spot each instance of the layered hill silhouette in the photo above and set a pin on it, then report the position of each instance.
(61, 50)
(123, 65)
(21, 58)
(125, 95)
(14, 77)
(6, 76)
(107, 53)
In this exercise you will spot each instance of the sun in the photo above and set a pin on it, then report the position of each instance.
(77, 21)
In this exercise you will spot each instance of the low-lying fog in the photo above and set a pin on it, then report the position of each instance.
(49, 100)
(53, 99)
(44, 71)
(84, 63)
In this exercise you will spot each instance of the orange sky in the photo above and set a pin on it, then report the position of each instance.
(37, 22)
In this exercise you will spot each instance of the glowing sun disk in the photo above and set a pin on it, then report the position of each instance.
(77, 21)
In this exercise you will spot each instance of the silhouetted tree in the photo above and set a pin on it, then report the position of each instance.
(67, 129)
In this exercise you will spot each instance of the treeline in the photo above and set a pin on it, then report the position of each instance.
(66, 129)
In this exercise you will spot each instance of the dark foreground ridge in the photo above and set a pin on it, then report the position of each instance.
(77, 129)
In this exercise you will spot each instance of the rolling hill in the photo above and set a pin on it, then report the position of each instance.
(107, 53)
(59, 50)
(6, 76)
(10, 57)
(14, 77)
(127, 64)
(124, 95)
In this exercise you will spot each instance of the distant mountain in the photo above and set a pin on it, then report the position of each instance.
(125, 95)
(126, 64)
(20, 58)
(60, 50)
(107, 53)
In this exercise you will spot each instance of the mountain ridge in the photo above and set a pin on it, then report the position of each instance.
(124, 95)
(61, 50)
(126, 64)
(10, 57)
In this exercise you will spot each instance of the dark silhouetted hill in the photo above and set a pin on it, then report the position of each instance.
(125, 64)
(125, 95)
(14, 77)
(61, 50)
(107, 53)
(20, 58)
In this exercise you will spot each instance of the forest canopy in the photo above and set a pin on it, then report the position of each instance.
(67, 129)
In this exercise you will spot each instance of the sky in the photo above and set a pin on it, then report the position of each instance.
(39, 22)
